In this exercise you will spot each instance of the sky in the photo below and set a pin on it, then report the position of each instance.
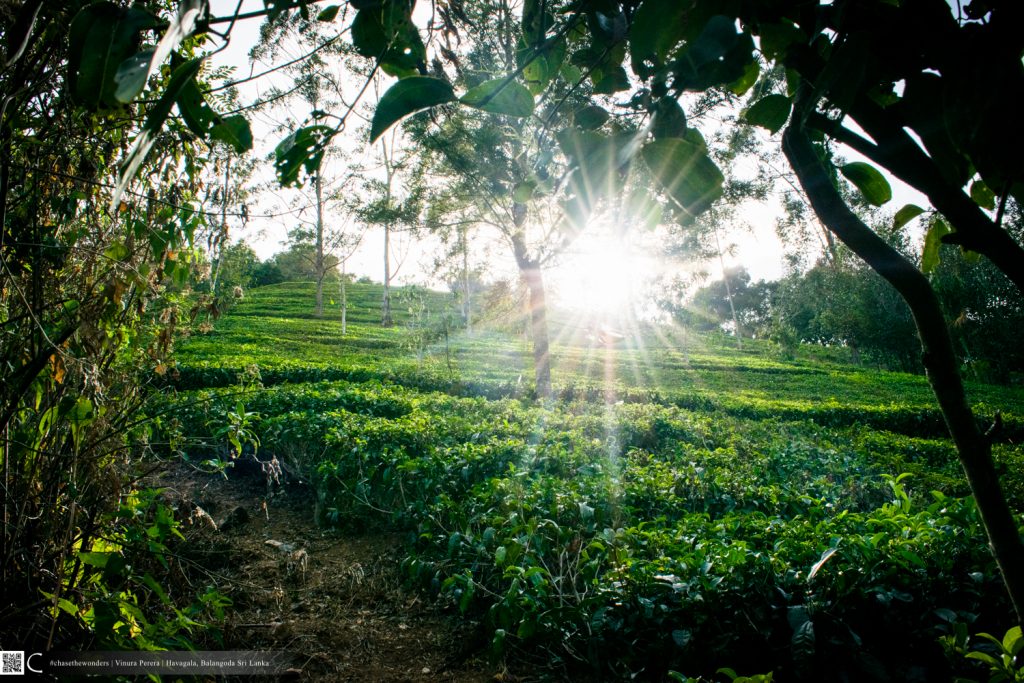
(585, 276)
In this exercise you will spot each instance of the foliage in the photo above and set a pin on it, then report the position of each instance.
(670, 531)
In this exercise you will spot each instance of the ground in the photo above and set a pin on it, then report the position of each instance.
(333, 599)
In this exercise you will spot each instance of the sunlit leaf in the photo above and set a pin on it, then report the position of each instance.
(745, 82)
(500, 96)
(872, 184)
(905, 215)
(982, 195)
(685, 171)
(328, 13)
(771, 112)
(408, 96)
(820, 563)
(932, 244)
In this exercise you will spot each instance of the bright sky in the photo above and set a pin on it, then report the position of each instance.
(593, 274)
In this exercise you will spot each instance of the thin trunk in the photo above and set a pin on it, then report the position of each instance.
(223, 225)
(728, 293)
(973, 447)
(385, 316)
(320, 264)
(467, 306)
(539, 331)
(344, 298)
(531, 272)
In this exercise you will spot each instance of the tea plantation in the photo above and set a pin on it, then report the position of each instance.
(681, 506)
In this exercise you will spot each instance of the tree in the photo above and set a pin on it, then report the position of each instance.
(735, 297)
(901, 72)
(843, 61)
(85, 252)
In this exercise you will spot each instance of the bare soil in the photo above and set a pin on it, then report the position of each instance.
(333, 600)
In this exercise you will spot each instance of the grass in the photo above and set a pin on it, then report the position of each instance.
(684, 504)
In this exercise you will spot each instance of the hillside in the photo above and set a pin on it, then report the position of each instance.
(683, 504)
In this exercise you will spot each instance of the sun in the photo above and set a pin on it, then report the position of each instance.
(601, 277)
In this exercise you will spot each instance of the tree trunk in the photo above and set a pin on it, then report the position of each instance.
(467, 309)
(728, 293)
(343, 295)
(223, 226)
(320, 264)
(385, 308)
(539, 330)
(940, 362)
(531, 272)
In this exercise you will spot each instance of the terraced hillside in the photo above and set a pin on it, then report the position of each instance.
(682, 505)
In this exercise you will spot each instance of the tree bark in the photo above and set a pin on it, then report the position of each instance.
(531, 272)
(940, 362)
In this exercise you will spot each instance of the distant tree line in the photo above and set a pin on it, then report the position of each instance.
(842, 302)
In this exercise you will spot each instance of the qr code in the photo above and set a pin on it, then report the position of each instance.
(12, 663)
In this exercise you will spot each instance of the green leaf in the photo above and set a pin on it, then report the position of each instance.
(657, 27)
(590, 117)
(132, 74)
(523, 192)
(669, 119)
(527, 627)
(932, 243)
(982, 195)
(905, 215)
(385, 31)
(536, 74)
(303, 149)
(685, 171)
(101, 37)
(1013, 641)
(745, 82)
(182, 77)
(194, 110)
(612, 81)
(98, 560)
(117, 252)
(500, 96)
(872, 184)
(771, 112)
(328, 13)
(234, 131)
(407, 96)
(820, 563)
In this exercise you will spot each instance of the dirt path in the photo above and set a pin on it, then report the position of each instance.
(332, 599)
